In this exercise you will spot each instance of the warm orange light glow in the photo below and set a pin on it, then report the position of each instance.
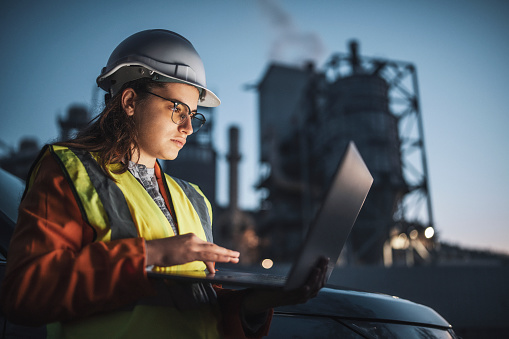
(267, 263)
(400, 242)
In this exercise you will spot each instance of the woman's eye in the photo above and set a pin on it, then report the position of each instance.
(178, 109)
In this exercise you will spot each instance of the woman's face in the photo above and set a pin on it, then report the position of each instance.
(158, 136)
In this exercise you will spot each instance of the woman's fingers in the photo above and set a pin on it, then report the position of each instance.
(186, 248)
(317, 278)
(211, 267)
(207, 251)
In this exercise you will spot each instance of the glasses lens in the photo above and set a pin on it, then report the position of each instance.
(180, 113)
(197, 122)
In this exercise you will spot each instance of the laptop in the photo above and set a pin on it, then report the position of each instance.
(326, 236)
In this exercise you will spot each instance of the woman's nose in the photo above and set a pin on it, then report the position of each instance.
(186, 127)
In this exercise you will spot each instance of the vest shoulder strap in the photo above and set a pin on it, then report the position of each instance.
(101, 201)
(200, 204)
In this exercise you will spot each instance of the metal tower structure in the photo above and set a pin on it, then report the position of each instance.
(306, 119)
(413, 211)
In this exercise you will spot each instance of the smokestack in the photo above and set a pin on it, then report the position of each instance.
(233, 160)
(354, 57)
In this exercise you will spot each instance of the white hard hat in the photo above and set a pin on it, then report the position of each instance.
(158, 54)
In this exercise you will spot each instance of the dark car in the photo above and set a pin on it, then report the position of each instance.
(11, 190)
(334, 313)
(342, 313)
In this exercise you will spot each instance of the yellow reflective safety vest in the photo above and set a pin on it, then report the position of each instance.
(124, 209)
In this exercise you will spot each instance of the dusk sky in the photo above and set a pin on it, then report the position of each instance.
(52, 52)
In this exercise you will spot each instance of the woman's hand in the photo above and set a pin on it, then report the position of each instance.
(261, 300)
(185, 248)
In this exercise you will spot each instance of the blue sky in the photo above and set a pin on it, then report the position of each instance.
(52, 51)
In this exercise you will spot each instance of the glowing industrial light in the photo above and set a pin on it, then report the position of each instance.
(400, 242)
(267, 263)
(414, 234)
(429, 232)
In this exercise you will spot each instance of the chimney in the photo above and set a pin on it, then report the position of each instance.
(233, 160)
(354, 57)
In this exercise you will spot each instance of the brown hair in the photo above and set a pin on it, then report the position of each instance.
(112, 134)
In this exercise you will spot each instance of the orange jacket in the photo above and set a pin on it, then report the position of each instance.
(56, 272)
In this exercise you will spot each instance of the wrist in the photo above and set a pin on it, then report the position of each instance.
(149, 253)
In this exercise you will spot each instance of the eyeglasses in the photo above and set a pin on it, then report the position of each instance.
(181, 112)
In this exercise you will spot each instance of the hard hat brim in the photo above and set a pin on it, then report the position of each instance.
(207, 98)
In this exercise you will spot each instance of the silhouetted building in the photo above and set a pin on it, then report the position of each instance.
(77, 119)
(19, 162)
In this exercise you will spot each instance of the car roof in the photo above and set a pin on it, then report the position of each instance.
(350, 304)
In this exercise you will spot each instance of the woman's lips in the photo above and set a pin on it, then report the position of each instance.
(179, 142)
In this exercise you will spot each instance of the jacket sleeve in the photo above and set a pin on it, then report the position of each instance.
(55, 271)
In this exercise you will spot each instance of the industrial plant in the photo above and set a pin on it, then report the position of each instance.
(307, 115)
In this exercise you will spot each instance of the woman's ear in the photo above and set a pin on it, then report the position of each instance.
(128, 101)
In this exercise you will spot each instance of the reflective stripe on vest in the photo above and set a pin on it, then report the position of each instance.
(124, 209)
(111, 197)
(200, 204)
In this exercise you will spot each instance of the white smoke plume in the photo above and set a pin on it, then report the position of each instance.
(290, 45)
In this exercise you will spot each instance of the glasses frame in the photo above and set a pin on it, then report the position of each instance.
(193, 115)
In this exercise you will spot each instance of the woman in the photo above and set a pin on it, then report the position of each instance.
(97, 211)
